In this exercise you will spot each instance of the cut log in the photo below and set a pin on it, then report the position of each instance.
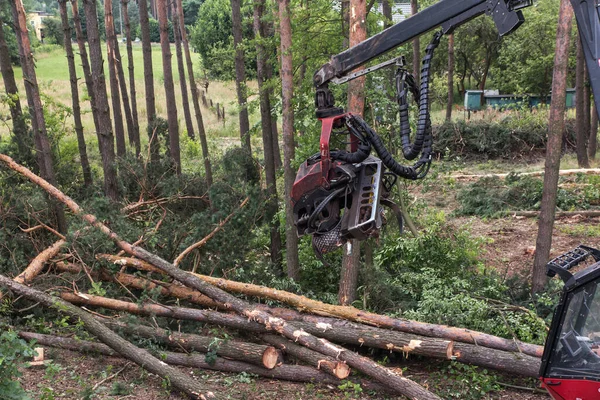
(564, 172)
(294, 373)
(338, 331)
(165, 289)
(257, 354)
(303, 303)
(328, 364)
(37, 264)
(387, 377)
(559, 214)
(141, 357)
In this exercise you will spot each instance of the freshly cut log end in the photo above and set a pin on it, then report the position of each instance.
(271, 357)
(341, 370)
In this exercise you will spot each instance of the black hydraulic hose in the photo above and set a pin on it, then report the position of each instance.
(414, 172)
(405, 83)
(361, 154)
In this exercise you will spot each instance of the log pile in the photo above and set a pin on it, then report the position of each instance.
(302, 344)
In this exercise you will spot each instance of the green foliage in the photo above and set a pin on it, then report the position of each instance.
(465, 382)
(52, 32)
(13, 352)
(490, 197)
(191, 10)
(155, 31)
(13, 46)
(516, 135)
(526, 60)
(438, 278)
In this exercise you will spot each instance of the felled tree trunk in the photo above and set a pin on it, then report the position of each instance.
(257, 354)
(141, 357)
(303, 303)
(294, 373)
(336, 331)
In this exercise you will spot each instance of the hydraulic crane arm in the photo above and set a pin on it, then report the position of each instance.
(446, 13)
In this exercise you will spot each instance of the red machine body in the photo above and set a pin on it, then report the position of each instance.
(571, 389)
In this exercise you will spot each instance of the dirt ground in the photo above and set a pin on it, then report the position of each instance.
(72, 375)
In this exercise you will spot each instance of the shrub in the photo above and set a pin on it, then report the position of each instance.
(13, 351)
(516, 135)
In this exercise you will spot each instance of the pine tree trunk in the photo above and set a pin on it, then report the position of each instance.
(21, 133)
(267, 134)
(105, 131)
(195, 100)
(131, 70)
(356, 105)
(163, 22)
(270, 32)
(36, 109)
(593, 141)
(450, 102)
(85, 164)
(85, 63)
(181, 69)
(556, 125)
(148, 80)
(240, 74)
(414, 8)
(111, 40)
(287, 89)
(582, 133)
(123, 88)
(587, 100)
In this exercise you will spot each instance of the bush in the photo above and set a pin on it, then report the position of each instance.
(517, 135)
(13, 351)
(438, 278)
(490, 197)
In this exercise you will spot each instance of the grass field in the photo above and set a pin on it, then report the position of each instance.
(53, 78)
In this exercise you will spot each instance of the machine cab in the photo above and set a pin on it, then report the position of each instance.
(570, 367)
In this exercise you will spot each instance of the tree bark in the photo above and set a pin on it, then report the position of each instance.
(83, 158)
(141, 357)
(582, 133)
(131, 70)
(21, 133)
(118, 61)
(556, 125)
(194, 89)
(111, 42)
(450, 102)
(257, 354)
(593, 141)
(303, 303)
(414, 8)
(105, 131)
(148, 80)
(174, 151)
(37, 264)
(294, 373)
(356, 105)
(289, 147)
(319, 361)
(85, 63)
(36, 109)
(271, 206)
(240, 74)
(587, 100)
(181, 69)
(336, 331)
(367, 366)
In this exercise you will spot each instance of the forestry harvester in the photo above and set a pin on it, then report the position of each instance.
(338, 194)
